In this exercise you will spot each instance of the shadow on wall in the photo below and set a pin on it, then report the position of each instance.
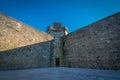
(30, 56)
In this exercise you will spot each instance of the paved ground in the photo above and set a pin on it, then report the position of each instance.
(60, 73)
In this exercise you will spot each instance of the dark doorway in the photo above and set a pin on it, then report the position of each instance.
(57, 62)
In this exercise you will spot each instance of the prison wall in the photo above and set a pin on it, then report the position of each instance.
(14, 34)
(94, 46)
(22, 46)
(30, 56)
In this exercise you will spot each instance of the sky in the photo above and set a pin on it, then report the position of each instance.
(74, 14)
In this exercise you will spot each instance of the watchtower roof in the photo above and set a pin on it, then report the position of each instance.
(57, 26)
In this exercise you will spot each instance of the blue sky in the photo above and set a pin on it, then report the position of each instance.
(74, 14)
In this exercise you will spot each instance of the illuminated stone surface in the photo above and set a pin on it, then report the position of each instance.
(14, 34)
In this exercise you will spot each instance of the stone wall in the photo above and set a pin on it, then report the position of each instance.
(22, 46)
(14, 34)
(30, 56)
(94, 46)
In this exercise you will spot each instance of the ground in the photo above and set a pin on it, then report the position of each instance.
(60, 73)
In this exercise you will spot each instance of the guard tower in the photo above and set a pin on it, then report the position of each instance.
(57, 31)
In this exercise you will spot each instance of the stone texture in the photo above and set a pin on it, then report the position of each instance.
(14, 34)
(31, 56)
(94, 46)
(22, 46)
(57, 31)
